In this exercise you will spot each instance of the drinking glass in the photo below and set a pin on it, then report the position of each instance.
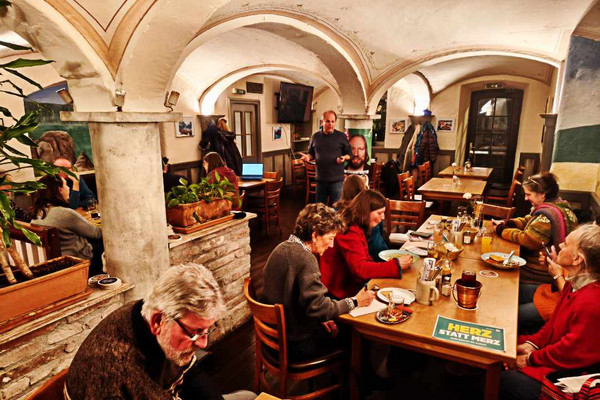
(432, 250)
(487, 241)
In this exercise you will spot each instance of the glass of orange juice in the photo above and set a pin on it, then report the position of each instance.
(487, 241)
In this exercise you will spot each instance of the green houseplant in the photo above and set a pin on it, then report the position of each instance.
(188, 204)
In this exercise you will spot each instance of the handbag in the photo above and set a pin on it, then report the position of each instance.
(552, 392)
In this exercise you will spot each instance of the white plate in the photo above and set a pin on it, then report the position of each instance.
(408, 296)
(387, 255)
(485, 257)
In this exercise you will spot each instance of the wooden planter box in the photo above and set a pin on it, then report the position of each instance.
(183, 214)
(59, 278)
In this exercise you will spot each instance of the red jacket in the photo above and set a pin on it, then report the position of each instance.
(347, 265)
(568, 340)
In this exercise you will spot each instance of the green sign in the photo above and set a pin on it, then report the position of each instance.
(469, 333)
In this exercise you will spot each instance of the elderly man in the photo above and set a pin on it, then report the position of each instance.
(80, 192)
(146, 349)
(330, 149)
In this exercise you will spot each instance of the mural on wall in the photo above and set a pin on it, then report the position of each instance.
(398, 125)
(445, 124)
(56, 138)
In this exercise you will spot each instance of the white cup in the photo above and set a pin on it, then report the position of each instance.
(426, 293)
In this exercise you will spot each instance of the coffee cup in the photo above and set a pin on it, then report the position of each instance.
(426, 293)
(466, 293)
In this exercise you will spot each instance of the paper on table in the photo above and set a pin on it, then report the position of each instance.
(573, 384)
(398, 237)
(374, 307)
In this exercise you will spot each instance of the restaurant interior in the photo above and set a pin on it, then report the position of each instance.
(509, 90)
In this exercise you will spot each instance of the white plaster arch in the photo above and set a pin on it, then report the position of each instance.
(90, 82)
(351, 77)
(384, 82)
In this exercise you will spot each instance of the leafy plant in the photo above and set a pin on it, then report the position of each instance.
(203, 190)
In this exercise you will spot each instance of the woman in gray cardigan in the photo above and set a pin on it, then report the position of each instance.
(51, 208)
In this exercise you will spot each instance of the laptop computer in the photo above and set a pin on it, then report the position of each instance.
(252, 172)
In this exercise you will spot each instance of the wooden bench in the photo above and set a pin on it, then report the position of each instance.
(31, 253)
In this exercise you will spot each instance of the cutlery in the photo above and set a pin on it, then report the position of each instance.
(507, 259)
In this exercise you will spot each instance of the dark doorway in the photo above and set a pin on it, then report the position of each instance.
(493, 131)
(245, 124)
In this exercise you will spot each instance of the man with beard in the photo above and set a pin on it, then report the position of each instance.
(360, 155)
(146, 349)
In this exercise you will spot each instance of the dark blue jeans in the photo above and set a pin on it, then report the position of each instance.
(331, 190)
(530, 319)
(515, 385)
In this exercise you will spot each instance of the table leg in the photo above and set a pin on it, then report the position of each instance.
(492, 381)
(355, 362)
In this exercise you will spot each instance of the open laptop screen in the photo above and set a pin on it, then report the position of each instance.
(252, 171)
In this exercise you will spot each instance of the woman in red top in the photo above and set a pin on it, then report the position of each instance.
(567, 340)
(348, 265)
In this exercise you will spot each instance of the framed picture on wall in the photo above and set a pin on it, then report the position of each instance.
(398, 125)
(185, 127)
(445, 124)
(277, 132)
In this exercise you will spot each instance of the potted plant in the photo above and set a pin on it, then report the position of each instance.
(189, 204)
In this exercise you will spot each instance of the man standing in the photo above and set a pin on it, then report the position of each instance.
(80, 192)
(146, 349)
(330, 149)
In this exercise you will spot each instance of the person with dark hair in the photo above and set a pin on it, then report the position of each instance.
(292, 278)
(550, 221)
(214, 165)
(567, 340)
(80, 193)
(330, 150)
(78, 237)
(170, 179)
(217, 138)
(348, 265)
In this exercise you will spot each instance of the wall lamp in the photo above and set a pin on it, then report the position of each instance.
(120, 98)
(171, 99)
(65, 95)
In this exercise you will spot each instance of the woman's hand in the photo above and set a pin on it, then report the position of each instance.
(364, 297)
(554, 269)
(525, 348)
(521, 361)
(405, 261)
(496, 222)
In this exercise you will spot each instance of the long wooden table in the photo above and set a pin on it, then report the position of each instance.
(443, 189)
(480, 173)
(497, 307)
(254, 184)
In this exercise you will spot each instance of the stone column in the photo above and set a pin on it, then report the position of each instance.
(126, 148)
(576, 156)
(360, 125)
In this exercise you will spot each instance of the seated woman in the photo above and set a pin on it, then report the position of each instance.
(550, 221)
(566, 341)
(292, 279)
(348, 265)
(78, 237)
(213, 164)
(353, 185)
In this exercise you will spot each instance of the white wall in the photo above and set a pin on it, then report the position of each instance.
(400, 103)
(325, 102)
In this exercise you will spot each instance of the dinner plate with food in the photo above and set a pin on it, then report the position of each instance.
(503, 260)
(397, 295)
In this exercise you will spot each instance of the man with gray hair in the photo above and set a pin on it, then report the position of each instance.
(146, 349)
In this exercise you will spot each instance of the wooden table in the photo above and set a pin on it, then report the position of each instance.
(253, 185)
(497, 307)
(442, 189)
(480, 173)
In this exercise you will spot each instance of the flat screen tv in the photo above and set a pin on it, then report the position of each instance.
(294, 103)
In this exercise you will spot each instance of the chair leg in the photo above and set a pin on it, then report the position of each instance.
(268, 220)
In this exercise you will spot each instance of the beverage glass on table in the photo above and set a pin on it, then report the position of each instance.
(432, 249)
(487, 241)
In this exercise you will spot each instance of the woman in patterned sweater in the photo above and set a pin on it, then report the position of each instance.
(550, 221)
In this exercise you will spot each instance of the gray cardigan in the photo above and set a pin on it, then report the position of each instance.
(73, 230)
(292, 278)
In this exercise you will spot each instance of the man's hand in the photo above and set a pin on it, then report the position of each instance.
(364, 297)
(342, 159)
(306, 157)
(330, 327)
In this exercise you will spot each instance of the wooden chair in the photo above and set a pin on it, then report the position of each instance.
(409, 188)
(504, 199)
(271, 174)
(398, 213)
(272, 350)
(259, 194)
(51, 389)
(428, 171)
(311, 181)
(269, 206)
(298, 173)
(494, 211)
(421, 175)
(31, 253)
(401, 187)
(375, 180)
(504, 187)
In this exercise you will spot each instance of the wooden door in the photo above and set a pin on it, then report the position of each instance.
(493, 131)
(246, 126)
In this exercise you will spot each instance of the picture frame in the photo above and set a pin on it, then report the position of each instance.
(445, 124)
(185, 128)
(277, 132)
(398, 125)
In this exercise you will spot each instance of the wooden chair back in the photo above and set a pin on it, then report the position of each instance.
(505, 199)
(31, 253)
(401, 177)
(271, 174)
(421, 175)
(375, 181)
(51, 389)
(409, 187)
(428, 171)
(298, 173)
(499, 212)
(269, 207)
(399, 213)
(311, 181)
(272, 353)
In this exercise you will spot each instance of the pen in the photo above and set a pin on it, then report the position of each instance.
(365, 286)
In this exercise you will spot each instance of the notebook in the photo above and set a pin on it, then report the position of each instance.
(252, 172)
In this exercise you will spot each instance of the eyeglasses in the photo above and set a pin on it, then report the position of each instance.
(195, 336)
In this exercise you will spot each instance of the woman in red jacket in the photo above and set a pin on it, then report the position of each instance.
(348, 265)
(567, 340)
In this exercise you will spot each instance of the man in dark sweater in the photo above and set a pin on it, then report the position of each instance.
(330, 149)
(146, 349)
